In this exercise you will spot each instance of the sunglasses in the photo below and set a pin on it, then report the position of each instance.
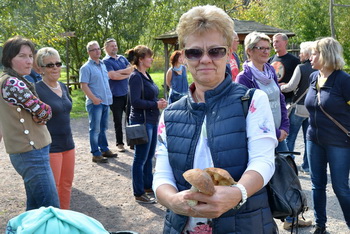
(51, 65)
(213, 53)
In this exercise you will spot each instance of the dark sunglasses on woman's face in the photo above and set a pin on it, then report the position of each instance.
(214, 53)
(51, 65)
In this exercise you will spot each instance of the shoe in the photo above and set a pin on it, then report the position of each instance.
(121, 148)
(320, 230)
(301, 223)
(149, 192)
(99, 159)
(145, 199)
(109, 154)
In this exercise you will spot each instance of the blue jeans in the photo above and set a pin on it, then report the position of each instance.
(338, 159)
(98, 120)
(282, 146)
(142, 176)
(295, 123)
(39, 183)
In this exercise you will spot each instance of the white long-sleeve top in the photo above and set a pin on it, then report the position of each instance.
(261, 144)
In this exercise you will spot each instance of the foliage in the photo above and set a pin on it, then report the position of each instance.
(133, 22)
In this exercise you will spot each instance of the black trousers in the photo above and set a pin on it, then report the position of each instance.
(117, 108)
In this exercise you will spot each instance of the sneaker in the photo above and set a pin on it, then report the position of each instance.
(145, 199)
(320, 230)
(149, 192)
(109, 154)
(121, 148)
(301, 223)
(99, 159)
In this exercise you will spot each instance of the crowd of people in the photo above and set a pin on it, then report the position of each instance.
(196, 127)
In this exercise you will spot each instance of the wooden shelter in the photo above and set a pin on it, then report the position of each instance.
(242, 28)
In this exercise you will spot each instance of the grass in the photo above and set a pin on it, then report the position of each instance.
(79, 97)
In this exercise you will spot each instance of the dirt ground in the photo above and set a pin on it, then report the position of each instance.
(104, 191)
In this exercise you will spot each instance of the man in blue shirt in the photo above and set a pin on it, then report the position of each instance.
(34, 75)
(94, 82)
(119, 70)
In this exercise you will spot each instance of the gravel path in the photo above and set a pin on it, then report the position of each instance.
(103, 191)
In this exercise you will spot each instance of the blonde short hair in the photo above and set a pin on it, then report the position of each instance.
(331, 53)
(44, 53)
(203, 19)
(253, 38)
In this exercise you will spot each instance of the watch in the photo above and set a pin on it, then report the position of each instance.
(244, 195)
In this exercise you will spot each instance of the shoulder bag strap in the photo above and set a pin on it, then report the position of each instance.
(296, 102)
(330, 117)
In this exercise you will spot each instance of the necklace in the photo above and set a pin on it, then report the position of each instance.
(53, 88)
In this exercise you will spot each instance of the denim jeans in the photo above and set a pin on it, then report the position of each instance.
(39, 183)
(295, 123)
(282, 146)
(142, 176)
(338, 159)
(98, 120)
(117, 108)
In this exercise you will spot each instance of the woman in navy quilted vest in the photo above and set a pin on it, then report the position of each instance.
(327, 144)
(208, 128)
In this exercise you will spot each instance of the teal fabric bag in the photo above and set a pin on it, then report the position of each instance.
(52, 220)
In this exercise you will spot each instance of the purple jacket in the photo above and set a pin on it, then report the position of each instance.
(245, 77)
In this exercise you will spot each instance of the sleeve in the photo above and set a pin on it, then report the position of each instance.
(163, 171)
(108, 65)
(136, 100)
(243, 79)
(16, 92)
(294, 81)
(84, 75)
(261, 136)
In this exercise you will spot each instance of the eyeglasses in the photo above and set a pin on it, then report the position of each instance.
(264, 49)
(51, 65)
(213, 53)
(96, 49)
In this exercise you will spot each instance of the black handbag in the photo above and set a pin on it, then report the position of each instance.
(136, 134)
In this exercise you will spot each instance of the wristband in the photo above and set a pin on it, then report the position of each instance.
(244, 195)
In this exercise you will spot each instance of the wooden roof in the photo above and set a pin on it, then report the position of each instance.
(242, 28)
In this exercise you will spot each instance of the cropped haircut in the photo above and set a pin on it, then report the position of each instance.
(106, 43)
(90, 44)
(140, 51)
(203, 19)
(174, 58)
(331, 53)
(306, 48)
(283, 35)
(44, 53)
(253, 38)
(12, 47)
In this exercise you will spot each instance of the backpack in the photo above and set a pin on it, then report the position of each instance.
(285, 194)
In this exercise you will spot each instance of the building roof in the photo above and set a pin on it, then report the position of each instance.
(242, 28)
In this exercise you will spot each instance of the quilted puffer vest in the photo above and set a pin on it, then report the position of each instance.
(227, 140)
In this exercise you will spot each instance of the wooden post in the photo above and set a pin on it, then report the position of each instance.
(67, 35)
(166, 67)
